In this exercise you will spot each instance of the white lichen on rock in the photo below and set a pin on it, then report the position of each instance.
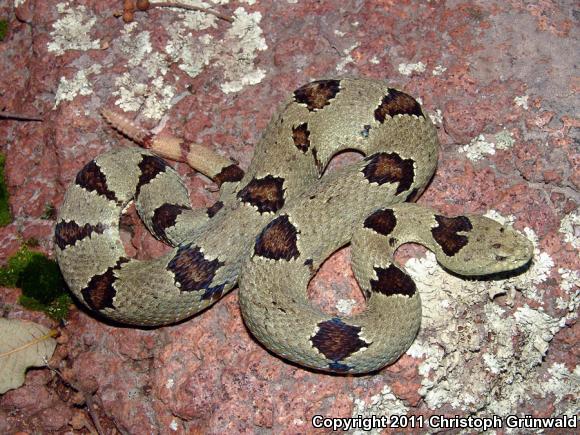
(570, 227)
(78, 85)
(346, 58)
(383, 404)
(522, 102)
(345, 306)
(153, 98)
(570, 285)
(448, 303)
(73, 30)
(438, 70)
(192, 55)
(538, 328)
(135, 46)
(436, 117)
(143, 87)
(519, 361)
(409, 68)
(234, 54)
(570, 280)
(562, 383)
(504, 140)
(476, 149)
(197, 20)
(481, 145)
(239, 51)
(471, 360)
(496, 216)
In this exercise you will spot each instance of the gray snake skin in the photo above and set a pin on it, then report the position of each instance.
(276, 223)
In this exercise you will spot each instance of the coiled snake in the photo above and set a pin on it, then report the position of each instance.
(275, 224)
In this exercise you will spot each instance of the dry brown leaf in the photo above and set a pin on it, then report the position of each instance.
(23, 344)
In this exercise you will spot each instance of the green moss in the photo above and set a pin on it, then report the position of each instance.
(42, 284)
(5, 217)
(16, 264)
(57, 308)
(32, 242)
(3, 29)
(41, 279)
(49, 212)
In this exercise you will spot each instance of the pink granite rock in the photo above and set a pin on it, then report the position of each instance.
(503, 70)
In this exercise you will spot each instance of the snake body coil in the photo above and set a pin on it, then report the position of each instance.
(275, 225)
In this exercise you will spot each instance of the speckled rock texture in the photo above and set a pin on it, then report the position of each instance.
(497, 77)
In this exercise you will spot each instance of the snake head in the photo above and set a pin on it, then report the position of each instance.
(485, 246)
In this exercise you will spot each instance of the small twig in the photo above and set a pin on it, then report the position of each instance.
(88, 399)
(93, 414)
(191, 8)
(19, 117)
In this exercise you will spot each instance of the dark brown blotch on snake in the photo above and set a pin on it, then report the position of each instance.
(278, 240)
(317, 94)
(446, 233)
(100, 291)
(393, 281)
(212, 211)
(192, 271)
(266, 194)
(68, 233)
(300, 136)
(389, 168)
(92, 179)
(397, 103)
(381, 221)
(164, 217)
(151, 167)
(229, 174)
(337, 340)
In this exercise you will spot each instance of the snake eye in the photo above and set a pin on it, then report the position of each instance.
(496, 245)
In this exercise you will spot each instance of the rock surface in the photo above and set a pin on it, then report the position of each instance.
(497, 78)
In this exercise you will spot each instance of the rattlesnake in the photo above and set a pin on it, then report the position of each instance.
(275, 224)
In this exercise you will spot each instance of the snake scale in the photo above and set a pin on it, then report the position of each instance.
(276, 223)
